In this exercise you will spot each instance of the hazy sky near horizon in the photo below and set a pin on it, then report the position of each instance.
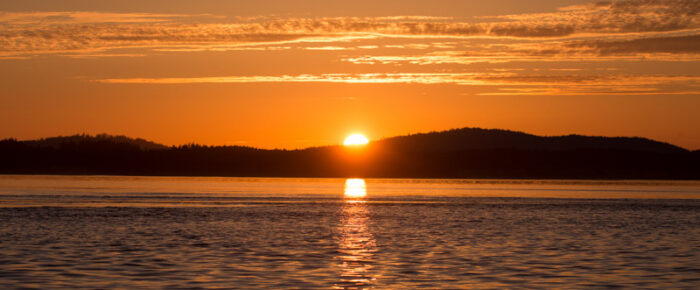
(291, 74)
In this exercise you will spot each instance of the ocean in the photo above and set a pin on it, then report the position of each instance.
(272, 233)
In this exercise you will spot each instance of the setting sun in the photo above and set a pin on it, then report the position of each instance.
(356, 139)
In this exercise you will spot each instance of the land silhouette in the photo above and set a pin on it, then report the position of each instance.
(457, 153)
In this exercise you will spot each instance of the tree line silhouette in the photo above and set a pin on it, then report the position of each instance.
(458, 153)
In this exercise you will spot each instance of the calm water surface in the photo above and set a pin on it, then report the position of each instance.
(130, 232)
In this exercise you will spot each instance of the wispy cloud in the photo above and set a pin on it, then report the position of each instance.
(67, 32)
(84, 17)
(421, 78)
(589, 91)
(506, 83)
(679, 45)
(666, 48)
(607, 17)
(327, 48)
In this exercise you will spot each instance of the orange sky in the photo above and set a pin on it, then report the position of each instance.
(291, 74)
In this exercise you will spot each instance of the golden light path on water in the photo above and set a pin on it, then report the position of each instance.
(356, 244)
(355, 188)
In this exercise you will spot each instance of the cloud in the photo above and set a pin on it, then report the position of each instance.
(624, 16)
(83, 32)
(584, 80)
(686, 44)
(502, 83)
(327, 48)
(666, 48)
(506, 83)
(588, 91)
(421, 78)
(83, 17)
(413, 17)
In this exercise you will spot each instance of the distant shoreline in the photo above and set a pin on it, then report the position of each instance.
(468, 153)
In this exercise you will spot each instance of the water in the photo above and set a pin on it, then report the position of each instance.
(132, 232)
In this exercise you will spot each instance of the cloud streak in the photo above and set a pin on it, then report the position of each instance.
(607, 17)
(505, 83)
(667, 48)
(83, 17)
(66, 32)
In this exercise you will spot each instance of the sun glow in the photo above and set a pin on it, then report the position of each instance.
(355, 139)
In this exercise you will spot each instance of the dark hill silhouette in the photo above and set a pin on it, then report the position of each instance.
(56, 142)
(477, 138)
(458, 153)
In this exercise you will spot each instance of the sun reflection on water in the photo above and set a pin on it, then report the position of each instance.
(355, 188)
(356, 245)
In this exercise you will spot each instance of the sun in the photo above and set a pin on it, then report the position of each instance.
(356, 139)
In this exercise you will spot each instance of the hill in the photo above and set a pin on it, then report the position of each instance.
(477, 138)
(458, 153)
(56, 142)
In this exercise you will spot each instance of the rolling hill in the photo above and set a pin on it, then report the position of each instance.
(457, 153)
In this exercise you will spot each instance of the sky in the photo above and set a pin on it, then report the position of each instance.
(294, 74)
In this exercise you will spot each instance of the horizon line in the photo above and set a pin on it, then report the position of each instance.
(339, 144)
